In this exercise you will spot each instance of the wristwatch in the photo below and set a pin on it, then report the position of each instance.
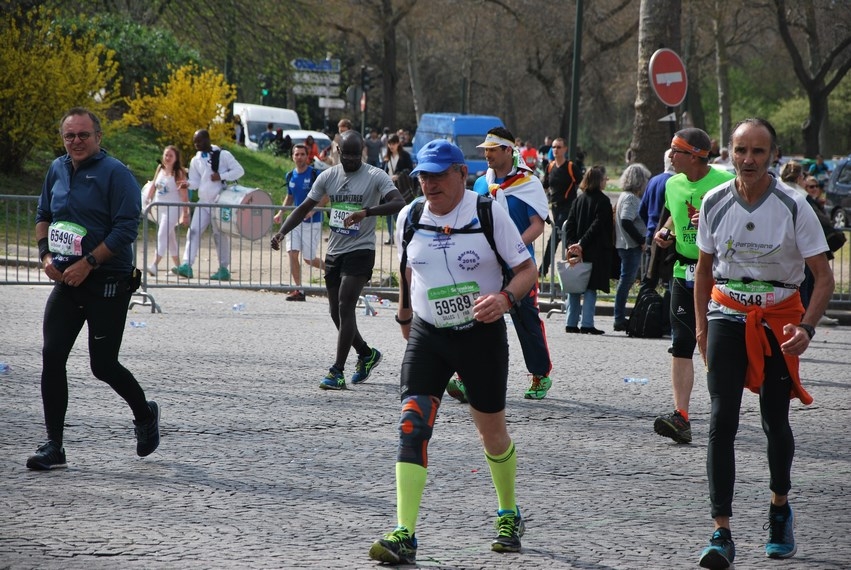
(810, 330)
(92, 261)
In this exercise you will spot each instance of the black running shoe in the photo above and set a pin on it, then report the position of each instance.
(397, 547)
(509, 526)
(148, 432)
(720, 552)
(49, 455)
(674, 426)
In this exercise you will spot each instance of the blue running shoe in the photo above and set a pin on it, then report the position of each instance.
(397, 547)
(720, 552)
(781, 533)
(365, 366)
(334, 380)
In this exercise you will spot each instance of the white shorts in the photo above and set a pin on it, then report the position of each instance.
(305, 238)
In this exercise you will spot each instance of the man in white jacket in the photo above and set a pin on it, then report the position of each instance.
(209, 169)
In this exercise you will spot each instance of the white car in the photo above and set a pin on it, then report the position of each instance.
(298, 137)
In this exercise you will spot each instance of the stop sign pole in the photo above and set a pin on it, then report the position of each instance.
(669, 80)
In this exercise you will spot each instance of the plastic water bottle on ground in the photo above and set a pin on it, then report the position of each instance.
(4, 368)
(385, 302)
(636, 381)
(138, 324)
(239, 308)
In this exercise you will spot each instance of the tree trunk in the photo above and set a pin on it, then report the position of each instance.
(659, 26)
(389, 77)
(721, 74)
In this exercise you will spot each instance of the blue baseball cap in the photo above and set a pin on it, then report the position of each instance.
(437, 156)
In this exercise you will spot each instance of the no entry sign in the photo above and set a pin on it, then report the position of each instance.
(668, 77)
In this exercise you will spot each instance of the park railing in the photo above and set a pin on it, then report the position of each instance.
(248, 227)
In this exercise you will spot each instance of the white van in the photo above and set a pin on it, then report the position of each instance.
(255, 118)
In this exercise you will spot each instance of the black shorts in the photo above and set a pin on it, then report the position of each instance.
(479, 355)
(355, 263)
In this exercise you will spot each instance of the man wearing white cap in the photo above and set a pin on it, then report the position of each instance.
(453, 279)
(512, 184)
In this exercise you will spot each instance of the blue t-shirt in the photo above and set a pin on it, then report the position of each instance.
(519, 210)
(298, 188)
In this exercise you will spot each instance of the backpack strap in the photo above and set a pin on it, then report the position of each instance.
(484, 213)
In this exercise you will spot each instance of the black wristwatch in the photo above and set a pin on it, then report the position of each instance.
(92, 261)
(811, 330)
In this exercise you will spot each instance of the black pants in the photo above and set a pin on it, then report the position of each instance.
(727, 361)
(67, 309)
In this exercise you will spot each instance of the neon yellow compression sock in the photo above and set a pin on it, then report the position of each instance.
(504, 475)
(410, 482)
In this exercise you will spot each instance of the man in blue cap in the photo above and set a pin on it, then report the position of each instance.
(454, 324)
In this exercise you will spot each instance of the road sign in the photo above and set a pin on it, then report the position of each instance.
(331, 103)
(668, 77)
(669, 118)
(326, 65)
(323, 78)
(321, 90)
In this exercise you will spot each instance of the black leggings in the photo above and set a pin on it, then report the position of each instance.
(727, 361)
(66, 310)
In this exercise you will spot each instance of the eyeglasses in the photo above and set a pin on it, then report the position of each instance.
(69, 137)
(811, 186)
(675, 151)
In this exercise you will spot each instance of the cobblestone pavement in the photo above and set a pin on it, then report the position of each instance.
(258, 468)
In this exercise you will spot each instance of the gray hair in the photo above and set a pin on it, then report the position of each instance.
(634, 178)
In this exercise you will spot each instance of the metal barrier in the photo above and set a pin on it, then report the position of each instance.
(254, 265)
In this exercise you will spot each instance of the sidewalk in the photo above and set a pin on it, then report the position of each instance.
(258, 468)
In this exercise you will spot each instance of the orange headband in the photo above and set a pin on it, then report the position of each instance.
(679, 143)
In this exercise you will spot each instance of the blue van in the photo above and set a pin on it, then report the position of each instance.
(465, 131)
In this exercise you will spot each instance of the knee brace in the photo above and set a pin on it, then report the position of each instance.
(415, 428)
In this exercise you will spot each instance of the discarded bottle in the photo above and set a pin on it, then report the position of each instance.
(385, 302)
(239, 307)
(636, 380)
(5, 368)
(137, 324)
(371, 298)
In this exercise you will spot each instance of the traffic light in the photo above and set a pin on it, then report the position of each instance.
(365, 79)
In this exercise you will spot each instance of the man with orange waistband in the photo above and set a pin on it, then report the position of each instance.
(754, 235)
(684, 193)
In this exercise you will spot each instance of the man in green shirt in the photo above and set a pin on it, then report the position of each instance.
(684, 194)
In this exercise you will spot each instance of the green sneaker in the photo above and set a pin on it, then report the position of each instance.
(539, 388)
(184, 270)
(221, 275)
(334, 380)
(365, 366)
(456, 389)
(397, 547)
(509, 526)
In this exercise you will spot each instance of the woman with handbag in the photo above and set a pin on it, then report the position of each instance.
(589, 239)
(398, 164)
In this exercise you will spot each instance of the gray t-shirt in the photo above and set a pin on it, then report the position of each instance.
(373, 150)
(627, 209)
(349, 192)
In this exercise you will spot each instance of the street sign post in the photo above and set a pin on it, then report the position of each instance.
(668, 77)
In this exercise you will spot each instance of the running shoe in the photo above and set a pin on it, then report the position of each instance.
(296, 296)
(781, 533)
(509, 526)
(397, 547)
(674, 426)
(365, 366)
(456, 389)
(148, 433)
(50, 455)
(334, 380)
(539, 388)
(720, 552)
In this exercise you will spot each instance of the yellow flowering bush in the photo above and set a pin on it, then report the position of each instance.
(46, 71)
(191, 99)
